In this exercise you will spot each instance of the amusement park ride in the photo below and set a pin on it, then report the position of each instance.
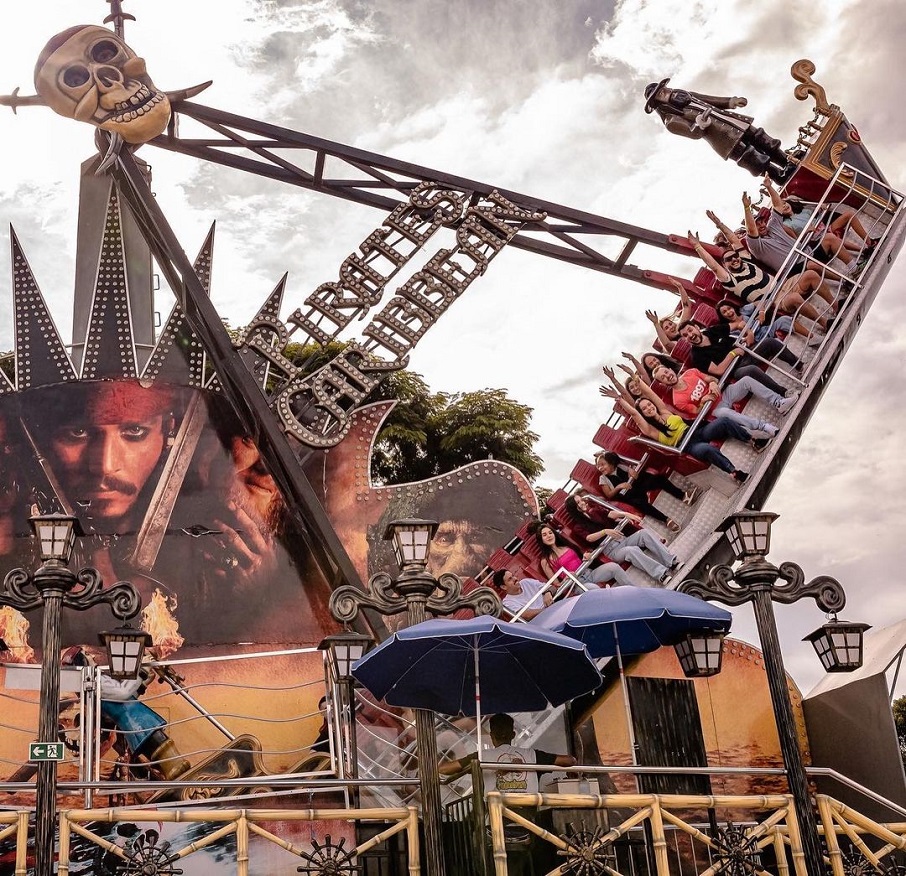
(290, 415)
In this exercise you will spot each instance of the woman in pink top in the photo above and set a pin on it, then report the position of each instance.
(557, 554)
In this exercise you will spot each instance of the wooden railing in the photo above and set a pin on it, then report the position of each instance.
(651, 834)
(677, 843)
(152, 848)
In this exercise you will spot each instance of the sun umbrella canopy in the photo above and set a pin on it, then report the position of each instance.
(641, 619)
(522, 668)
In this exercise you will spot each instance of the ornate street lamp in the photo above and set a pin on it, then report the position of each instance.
(838, 645)
(700, 653)
(417, 592)
(749, 533)
(757, 581)
(411, 540)
(56, 534)
(342, 651)
(125, 648)
(52, 587)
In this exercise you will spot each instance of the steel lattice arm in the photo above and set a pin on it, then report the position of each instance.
(567, 234)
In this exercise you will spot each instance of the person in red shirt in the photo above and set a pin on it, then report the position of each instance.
(692, 389)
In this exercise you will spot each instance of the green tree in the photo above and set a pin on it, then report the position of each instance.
(899, 720)
(485, 424)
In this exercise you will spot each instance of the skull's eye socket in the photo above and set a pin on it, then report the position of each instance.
(104, 51)
(75, 76)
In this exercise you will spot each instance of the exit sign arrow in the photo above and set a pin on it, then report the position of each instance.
(45, 751)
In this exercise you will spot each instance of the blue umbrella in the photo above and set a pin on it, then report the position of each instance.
(438, 664)
(631, 620)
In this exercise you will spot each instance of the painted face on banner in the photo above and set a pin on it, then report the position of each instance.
(107, 445)
(89, 74)
(459, 546)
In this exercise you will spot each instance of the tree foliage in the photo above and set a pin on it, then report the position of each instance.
(428, 434)
(899, 720)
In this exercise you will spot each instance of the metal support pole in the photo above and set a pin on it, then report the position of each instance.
(416, 592)
(46, 787)
(428, 776)
(429, 783)
(786, 728)
(53, 587)
(348, 688)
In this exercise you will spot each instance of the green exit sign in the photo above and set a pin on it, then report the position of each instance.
(40, 751)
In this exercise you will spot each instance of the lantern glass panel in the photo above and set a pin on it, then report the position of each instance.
(343, 651)
(125, 649)
(56, 535)
(838, 645)
(749, 533)
(700, 654)
(411, 540)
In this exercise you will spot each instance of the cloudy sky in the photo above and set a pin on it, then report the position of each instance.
(539, 97)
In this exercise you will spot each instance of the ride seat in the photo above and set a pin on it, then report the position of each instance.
(586, 474)
(708, 287)
(705, 315)
(682, 350)
(617, 441)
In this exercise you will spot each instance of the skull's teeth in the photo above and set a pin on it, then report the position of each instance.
(127, 112)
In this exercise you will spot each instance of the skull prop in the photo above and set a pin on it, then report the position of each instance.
(88, 73)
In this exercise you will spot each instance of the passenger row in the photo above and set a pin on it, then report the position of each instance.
(768, 294)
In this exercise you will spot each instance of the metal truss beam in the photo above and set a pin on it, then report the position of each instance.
(239, 386)
(375, 180)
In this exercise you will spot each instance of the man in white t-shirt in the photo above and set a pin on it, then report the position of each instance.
(513, 780)
(520, 593)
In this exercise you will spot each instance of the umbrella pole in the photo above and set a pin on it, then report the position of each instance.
(623, 685)
(477, 697)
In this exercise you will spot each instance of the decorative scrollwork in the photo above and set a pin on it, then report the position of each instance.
(827, 592)
(587, 854)
(448, 598)
(347, 601)
(146, 856)
(122, 597)
(802, 71)
(329, 859)
(720, 585)
(734, 587)
(735, 851)
(483, 600)
(19, 591)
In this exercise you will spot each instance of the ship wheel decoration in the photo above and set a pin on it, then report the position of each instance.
(586, 854)
(146, 857)
(329, 859)
(855, 864)
(736, 853)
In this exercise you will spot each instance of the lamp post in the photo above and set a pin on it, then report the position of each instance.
(757, 581)
(53, 586)
(416, 592)
(343, 650)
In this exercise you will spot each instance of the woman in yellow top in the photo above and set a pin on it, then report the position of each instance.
(657, 422)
